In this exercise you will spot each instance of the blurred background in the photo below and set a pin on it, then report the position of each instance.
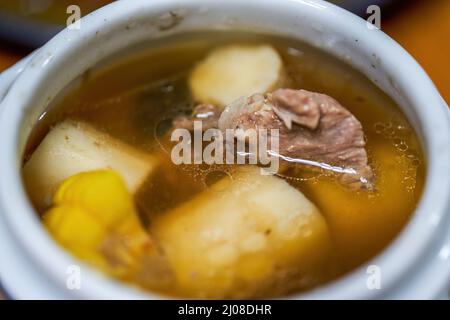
(421, 26)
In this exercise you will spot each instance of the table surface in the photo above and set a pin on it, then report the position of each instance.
(423, 28)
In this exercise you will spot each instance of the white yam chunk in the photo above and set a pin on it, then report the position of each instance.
(73, 147)
(243, 235)
(233, 71)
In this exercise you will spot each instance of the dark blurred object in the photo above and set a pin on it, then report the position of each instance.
(31, 23)
(359, 7)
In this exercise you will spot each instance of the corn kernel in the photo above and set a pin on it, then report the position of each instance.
(94, 218)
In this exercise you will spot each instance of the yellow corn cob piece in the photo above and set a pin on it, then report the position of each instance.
(94, 218)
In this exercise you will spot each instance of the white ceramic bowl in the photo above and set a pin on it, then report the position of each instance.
(415, 265)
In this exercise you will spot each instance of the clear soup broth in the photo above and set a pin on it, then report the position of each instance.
(135, 96)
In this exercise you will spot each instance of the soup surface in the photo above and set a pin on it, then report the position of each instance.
(134, 98)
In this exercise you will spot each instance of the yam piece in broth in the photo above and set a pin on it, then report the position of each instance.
(134, 99)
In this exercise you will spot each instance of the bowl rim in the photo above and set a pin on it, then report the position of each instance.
(426, 224)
